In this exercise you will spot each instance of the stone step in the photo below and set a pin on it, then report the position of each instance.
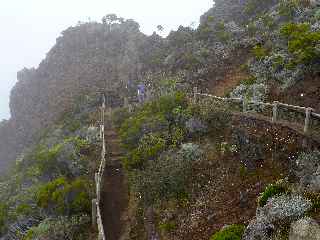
(115, 159)
(116, 154)
(113, 141)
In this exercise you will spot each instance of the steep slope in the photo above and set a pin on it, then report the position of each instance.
(115, 56)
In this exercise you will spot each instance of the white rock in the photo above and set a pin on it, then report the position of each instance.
(304, 229)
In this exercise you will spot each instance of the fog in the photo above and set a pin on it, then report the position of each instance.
(29, 28)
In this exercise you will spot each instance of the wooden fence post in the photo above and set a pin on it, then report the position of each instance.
(307, 120)
(244, 105)
(148, 95)
(125, 102)
(275, 111)
(94, 212)
(195, 91)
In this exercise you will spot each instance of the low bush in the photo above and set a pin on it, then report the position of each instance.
(167, 226)
(3, 216)
(75, 227)
(315, 200)
(302, 43)
(46, 160)
(23, 209)
(288, 8)
(233, 232)
(271, 191)
(153, 128)
(259, 52)
(63, 197)
(167, 177)
(150, 146)
(249, 81)
(217, 120)
(119, 116)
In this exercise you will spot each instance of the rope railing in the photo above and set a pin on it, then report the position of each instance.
(96, 210)
(307, 111)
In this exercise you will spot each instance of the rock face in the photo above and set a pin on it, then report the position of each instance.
(278, 211)
(7, 150)
(305, 229)
(308, 171)
(88, 58)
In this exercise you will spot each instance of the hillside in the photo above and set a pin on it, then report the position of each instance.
(193, 168)
(234, 36)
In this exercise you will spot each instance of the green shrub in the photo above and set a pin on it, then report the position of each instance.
(271, 191)
(75, 227)
(168, 226)
(149, 148)
(119, 116)
(73, 125)
(46, 159)
(250, 7)
(315, 199)
(278, 62)
(302, 43)
(153, 128)
(166, 177)
(249, 81)
(252, 29)
(223, 36)
(268, 21)
(259, 52)
(218, 120)
(79, 143)
(317, 15)
(63, 197)
(287, 8)
(24, 209)
(256, 7)
(3, 216)
(233, 232)
(177, 135)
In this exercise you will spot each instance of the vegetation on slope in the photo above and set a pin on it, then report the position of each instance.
(198, 167)
(51, 184)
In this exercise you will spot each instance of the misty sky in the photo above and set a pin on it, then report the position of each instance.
(29, 27)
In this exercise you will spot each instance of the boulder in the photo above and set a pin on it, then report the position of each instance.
(304, 229)
(277, 212)
(308, 171)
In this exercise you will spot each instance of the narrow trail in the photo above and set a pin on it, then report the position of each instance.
(114, 195)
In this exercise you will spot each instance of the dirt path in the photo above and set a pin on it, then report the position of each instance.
(114, 193)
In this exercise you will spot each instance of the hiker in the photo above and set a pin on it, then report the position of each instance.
(141, 92)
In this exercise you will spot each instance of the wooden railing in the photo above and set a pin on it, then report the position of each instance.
(96, 210)
(307, 111)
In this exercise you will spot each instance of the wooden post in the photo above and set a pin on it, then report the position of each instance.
(148, 95)
(97, 180)
(94, 212)
(244, 105)
(130, 108)
(125, 102)
(307, 120)
(275, 111)
(195, 91)
(104, 102)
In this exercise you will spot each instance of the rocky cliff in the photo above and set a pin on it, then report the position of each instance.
(87, 58)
